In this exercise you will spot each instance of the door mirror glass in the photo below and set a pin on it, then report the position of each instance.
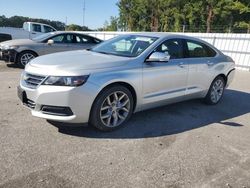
(159, 56)
(50, 41)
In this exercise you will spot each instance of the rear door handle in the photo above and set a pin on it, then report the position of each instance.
(210, 63)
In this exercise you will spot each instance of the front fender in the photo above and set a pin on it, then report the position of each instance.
(133, 77)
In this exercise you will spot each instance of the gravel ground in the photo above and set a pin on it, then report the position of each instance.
(188, 144)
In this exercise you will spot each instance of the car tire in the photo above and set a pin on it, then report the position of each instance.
(215, 91)
(112, 108)
(24, 57)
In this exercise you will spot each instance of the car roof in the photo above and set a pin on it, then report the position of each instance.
(163, 35)
(62, 32)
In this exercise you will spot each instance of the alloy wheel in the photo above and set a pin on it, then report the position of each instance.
(217, 90)
(25, 58)
(115, 109)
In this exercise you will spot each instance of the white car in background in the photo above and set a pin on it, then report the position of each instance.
(29, 31)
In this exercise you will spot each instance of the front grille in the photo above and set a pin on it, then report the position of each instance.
(32, 81)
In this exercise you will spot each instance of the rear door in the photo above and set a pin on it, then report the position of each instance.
(200, 58)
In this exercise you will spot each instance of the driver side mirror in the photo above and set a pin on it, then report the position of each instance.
(50, 41)
(159, 57)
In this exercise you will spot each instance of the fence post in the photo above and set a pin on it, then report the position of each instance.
(183, 28)
(214, 38)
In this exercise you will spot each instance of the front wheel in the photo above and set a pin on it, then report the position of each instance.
(215, 91)
(112, 108)
(24, 57)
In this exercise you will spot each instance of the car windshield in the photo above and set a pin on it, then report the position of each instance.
(125, 45)
(43, 37)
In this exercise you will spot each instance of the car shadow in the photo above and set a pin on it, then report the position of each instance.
(172, 119)
(13, 65)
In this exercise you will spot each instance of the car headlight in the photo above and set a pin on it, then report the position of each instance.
(9, 47)
(73, 81)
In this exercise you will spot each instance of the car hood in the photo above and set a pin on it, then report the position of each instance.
(75, 61)
(17, 42)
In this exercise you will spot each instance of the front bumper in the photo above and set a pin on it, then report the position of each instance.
(73, 103)
(8, 55)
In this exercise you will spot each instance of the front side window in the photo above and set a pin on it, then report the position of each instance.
(125, 45)
(197, 49)
(48, 29)
(173, 47)
(58, 39)
(36, 28)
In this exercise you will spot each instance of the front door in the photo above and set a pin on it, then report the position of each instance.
(165, 80)
(61, 43)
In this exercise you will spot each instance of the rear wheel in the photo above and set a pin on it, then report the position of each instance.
(112, 108)
(215, 91)
(24, 57)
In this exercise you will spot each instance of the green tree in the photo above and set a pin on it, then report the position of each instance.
(113, 25)
(196, 15)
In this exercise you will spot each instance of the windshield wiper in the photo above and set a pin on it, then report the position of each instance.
(101, 52)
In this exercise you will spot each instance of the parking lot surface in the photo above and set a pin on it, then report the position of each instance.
(188, 144)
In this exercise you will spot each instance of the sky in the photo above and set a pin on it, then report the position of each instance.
(96, 11)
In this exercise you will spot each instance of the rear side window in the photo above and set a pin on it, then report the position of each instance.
(197, 50)
(85, 39)
(48, 29)
(36, 28)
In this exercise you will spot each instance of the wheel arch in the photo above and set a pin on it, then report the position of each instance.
(223, 76)
(25, 50)
(121, 83)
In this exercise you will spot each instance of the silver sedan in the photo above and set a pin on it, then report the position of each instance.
(104, 86)
(21, 51)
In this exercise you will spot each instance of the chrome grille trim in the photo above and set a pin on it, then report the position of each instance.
(32, 81)
(31, 104)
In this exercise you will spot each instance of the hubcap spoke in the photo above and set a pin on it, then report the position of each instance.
(108, 100)
(121, 97)
(116, 96)
(125, 109)
(121, 117)
(115, 116)
(125, 102)
(105, 108)
(105, 116)
(109, 120)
